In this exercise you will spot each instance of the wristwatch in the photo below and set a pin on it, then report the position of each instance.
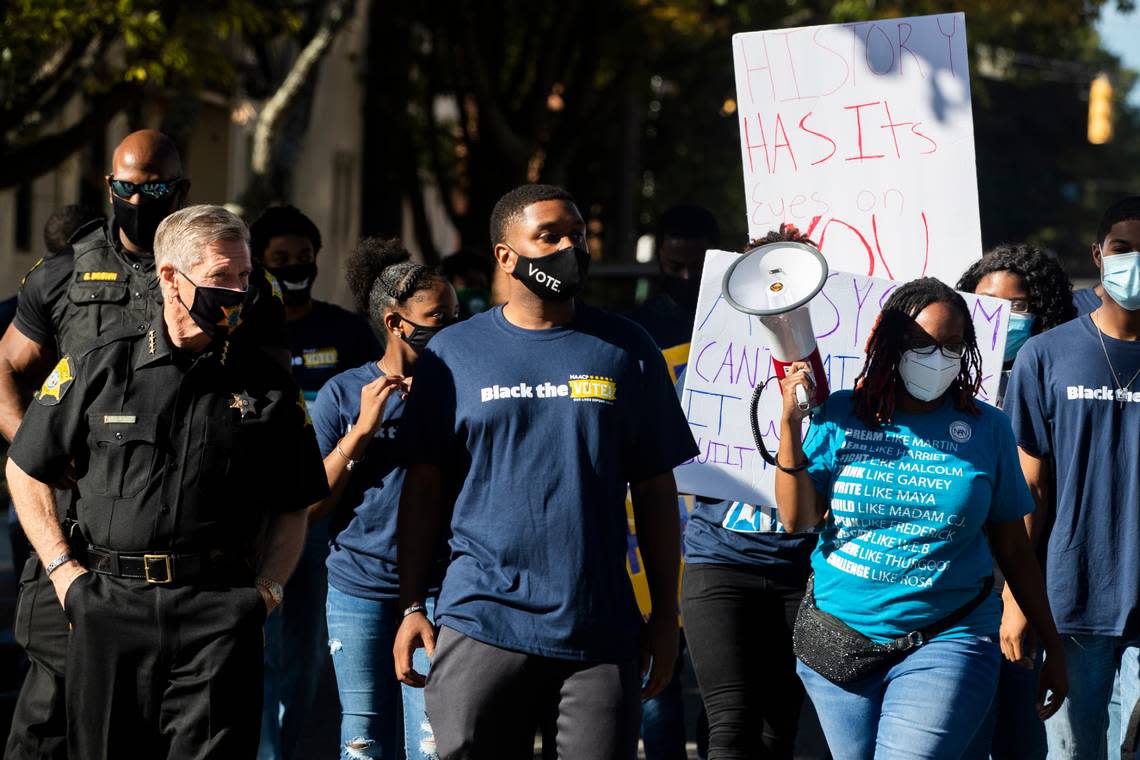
(276, 592)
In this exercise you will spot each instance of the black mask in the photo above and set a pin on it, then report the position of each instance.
(216, 310)
(421, 334)
(296, 282)
(557, 277)
(139, 222)
(684, 292)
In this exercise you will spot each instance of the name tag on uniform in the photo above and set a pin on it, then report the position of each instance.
(100, 277)
(119, 419)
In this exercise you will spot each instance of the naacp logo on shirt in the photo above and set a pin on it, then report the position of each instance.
(961, 431)
(57, 383)
(589, 388)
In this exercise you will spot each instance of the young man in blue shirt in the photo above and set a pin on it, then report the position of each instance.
(529, 421)
(324, 340)
(1075, 404)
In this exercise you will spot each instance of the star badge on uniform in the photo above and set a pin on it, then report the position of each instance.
(57, 383)
(231, 317)
(244, 403)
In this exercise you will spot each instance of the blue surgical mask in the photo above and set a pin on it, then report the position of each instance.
(1020, 330)
(1120, 274)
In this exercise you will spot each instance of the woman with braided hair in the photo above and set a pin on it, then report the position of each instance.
(355, 417)
(907, 475)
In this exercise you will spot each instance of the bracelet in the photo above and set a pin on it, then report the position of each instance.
(273, 587)
(55, 564)
(351, 462)
(414, 609)
(792, 470)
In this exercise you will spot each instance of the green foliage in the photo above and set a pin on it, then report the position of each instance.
(147, 41)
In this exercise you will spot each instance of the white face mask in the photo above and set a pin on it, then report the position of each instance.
(928, 376)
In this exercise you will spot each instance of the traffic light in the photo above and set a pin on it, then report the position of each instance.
(1100, 110)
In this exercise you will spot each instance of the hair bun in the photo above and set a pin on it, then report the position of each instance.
(366, 265)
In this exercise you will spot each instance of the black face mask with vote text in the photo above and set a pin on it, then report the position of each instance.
(557, 277)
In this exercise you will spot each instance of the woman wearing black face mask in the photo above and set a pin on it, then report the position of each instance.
(356, 417)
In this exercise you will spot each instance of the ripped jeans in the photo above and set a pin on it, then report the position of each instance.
(361, 634)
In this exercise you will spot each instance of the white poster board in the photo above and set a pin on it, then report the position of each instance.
(728, 357)
(862, 136)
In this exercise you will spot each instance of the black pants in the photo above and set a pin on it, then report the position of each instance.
(738, 621)
(163, 672)
(39, 723)
(486, 703)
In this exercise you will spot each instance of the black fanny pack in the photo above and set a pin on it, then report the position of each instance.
(842, 655)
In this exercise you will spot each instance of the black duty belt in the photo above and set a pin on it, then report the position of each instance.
(159, 568)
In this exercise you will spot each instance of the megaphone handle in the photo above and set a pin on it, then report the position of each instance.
(802, 398)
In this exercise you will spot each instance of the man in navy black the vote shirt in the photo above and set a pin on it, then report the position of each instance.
(324, 340)
(541, 412)
(1074, 399)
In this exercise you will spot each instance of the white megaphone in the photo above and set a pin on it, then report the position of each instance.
(775, 282)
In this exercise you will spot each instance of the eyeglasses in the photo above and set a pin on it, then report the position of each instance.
(125, 190)
(1019, 307)
(926, 346)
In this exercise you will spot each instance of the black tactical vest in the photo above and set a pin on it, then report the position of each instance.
(108, 292)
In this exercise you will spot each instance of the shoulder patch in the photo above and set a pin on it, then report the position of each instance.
(56, 385)
(274, 286)
(27, 274)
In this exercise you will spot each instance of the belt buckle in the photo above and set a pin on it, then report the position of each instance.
(169, 568)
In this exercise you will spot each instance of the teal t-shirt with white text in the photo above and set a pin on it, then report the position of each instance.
(903, 546)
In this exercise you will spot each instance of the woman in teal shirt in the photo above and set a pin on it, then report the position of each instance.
(907, 475)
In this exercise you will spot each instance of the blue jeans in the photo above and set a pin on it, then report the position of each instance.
(925, 707)
(1085, 728)
(361, 635)
(295, 652)
(1012, 730)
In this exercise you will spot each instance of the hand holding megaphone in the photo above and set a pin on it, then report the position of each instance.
(797, 387)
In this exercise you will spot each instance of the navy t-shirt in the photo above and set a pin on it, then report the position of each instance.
(544, 429)
(362, 544)
(1064, 405)
(1086, 301)
(327, 341)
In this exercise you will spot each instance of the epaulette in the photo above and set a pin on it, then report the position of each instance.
(95, 239)
(114, 336)
(85, 229)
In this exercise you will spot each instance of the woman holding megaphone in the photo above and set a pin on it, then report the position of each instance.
(908, 474)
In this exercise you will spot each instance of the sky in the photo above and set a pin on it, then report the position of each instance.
(1119, 33)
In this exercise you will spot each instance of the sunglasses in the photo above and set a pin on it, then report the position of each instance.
(925, 346)
(125, 190)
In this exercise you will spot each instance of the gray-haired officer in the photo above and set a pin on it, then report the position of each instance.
(194, 461)
(103, 283)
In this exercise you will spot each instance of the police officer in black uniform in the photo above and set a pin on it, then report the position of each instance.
(105, 283)
(194, 462)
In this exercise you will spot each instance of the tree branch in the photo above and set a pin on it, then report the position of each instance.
(40, 156)
(300, 73)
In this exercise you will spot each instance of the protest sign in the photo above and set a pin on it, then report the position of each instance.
(861, 135)
(728, 357)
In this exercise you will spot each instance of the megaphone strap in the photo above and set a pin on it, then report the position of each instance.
(759, 441)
